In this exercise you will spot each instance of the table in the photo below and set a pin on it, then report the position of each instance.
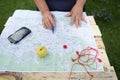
(108, 74)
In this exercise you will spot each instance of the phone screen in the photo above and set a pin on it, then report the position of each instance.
(18, 35)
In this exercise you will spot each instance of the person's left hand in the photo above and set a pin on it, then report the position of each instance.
(76, 15)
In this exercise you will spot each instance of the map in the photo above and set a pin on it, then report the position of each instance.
(21, 57)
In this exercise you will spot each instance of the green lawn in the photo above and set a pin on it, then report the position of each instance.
(110, 30)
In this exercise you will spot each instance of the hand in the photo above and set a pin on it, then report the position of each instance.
(76, 15)
(48, 20)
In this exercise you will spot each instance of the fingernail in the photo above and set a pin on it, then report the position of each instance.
(49, 28)
(71, 24)
(54, 25)
(80, 25)
(77, 26)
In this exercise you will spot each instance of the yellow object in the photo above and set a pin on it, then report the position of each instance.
(41, 51)
(3, 78)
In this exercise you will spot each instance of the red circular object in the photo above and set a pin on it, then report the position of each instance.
(65, 46)
(99, 60)
(77, 52)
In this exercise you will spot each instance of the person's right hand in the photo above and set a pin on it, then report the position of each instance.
(47, 20)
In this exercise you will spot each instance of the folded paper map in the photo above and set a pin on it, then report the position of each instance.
(22, 57)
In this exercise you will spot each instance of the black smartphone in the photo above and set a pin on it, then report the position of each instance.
(19, 35)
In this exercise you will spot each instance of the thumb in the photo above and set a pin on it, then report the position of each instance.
(68, 14)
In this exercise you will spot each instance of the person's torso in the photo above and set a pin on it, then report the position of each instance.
(60, 5)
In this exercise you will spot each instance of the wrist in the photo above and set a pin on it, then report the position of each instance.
(46, 14)
(80, 3)
(78, 7)
(45, 11)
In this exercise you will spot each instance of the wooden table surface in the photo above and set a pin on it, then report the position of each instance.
(108, 74)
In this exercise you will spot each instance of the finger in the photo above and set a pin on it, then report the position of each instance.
(47, 23)
(77, 22)
(83, 19)
(68, 14)
(44, 26)
(80, 23)
(52, 21)
(72, 20)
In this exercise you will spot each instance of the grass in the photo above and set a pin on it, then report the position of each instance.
(110, 30)
(9, 6)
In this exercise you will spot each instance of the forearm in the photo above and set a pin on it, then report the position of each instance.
(41, 4)
(80, 3)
